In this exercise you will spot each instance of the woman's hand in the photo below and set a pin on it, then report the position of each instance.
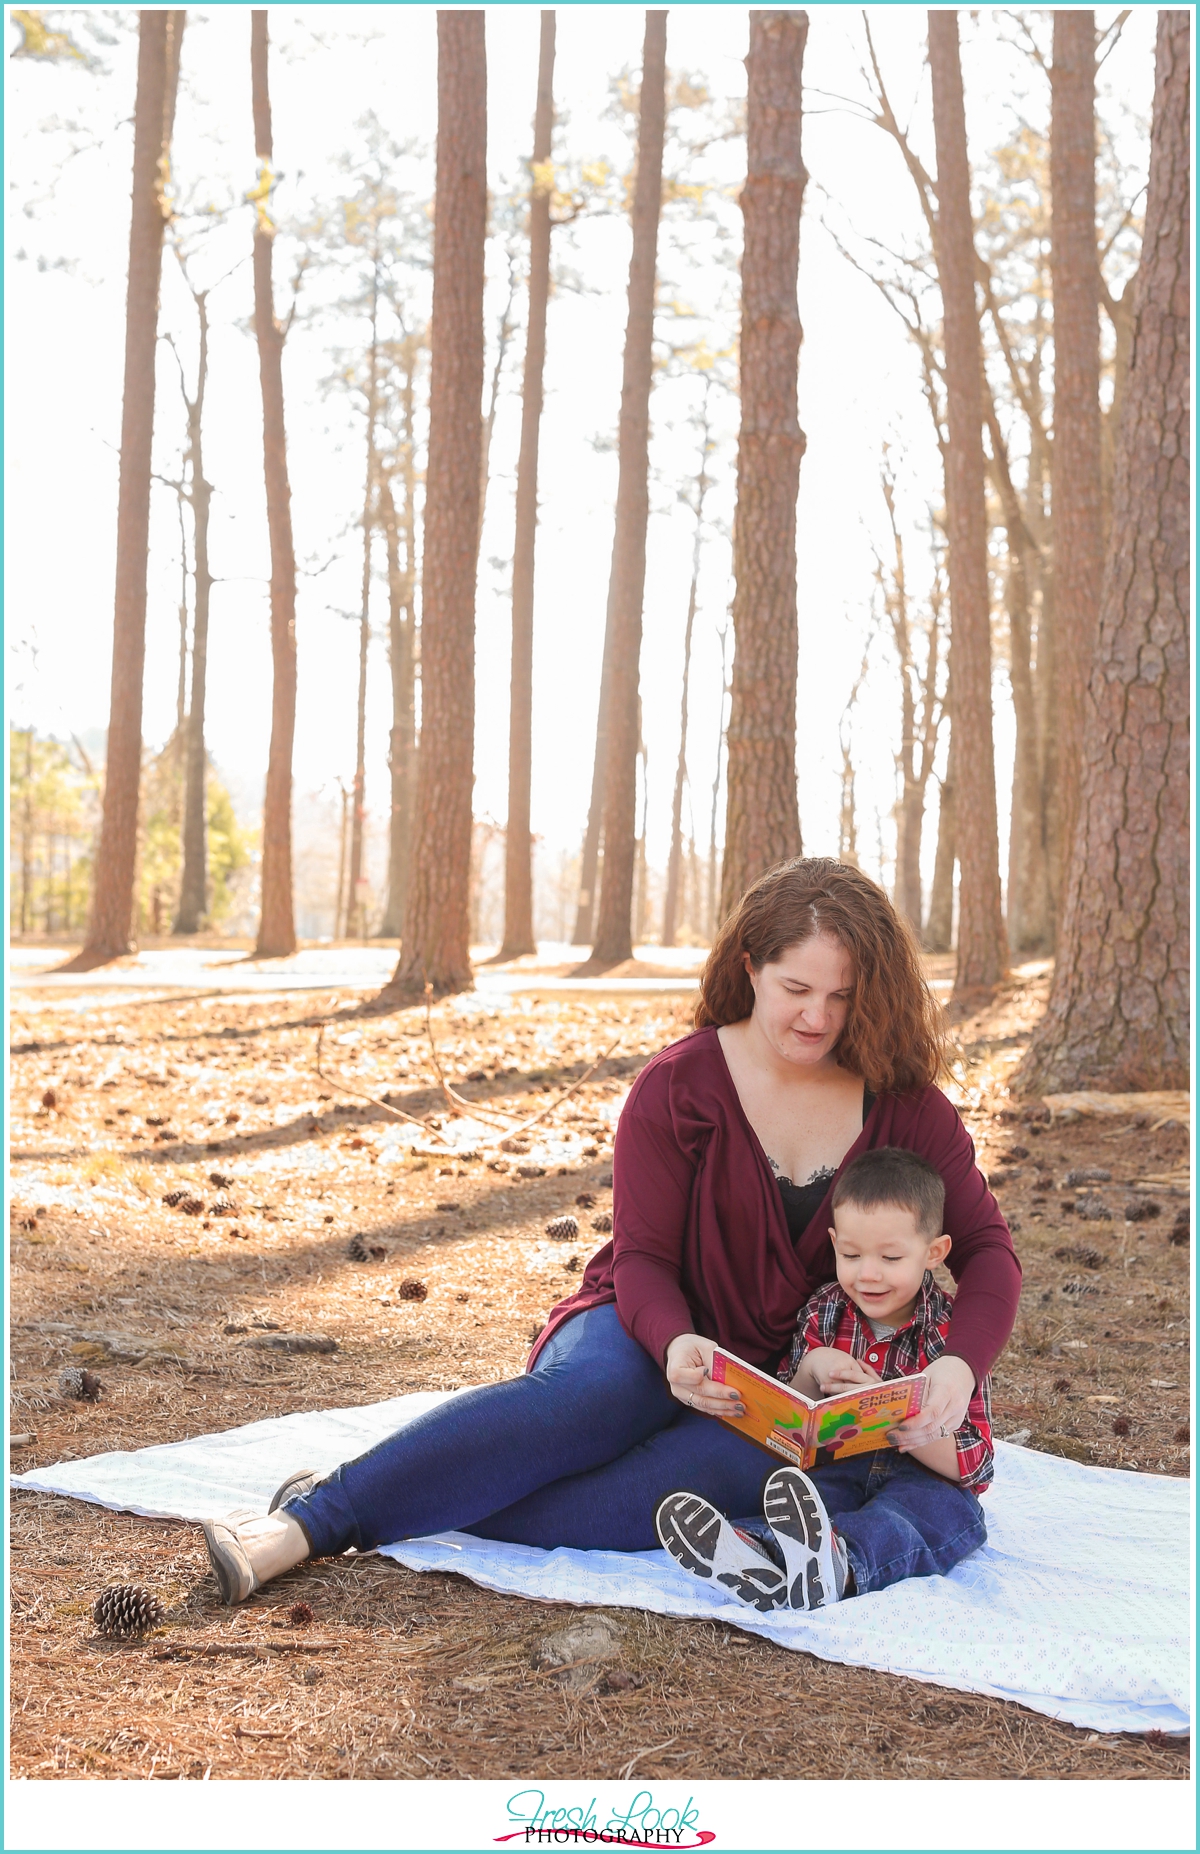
(832, 1372)
(951, 1387)
(689, 1359)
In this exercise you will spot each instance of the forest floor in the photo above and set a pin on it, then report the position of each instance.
(120, 1098)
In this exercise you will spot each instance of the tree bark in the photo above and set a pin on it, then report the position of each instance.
(675, 855)
(1076, 491)
(357, 912)
(276, 927)
(193, 886)
(762, 818)
(401, 660)
(1028, 912)
(518, 846)
(111, 928)
(982, 955)
(589, 862)
(614, 935)
(436, 937)
(939, 926)
(1118, 1012)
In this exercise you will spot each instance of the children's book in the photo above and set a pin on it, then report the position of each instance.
(779, 1418)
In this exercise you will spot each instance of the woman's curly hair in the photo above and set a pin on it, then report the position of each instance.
(894, 1035)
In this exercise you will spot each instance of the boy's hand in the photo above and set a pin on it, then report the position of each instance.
(951, 1387)
(832, 1371)
(689, 1358)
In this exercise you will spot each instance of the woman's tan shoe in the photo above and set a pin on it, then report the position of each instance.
(228, 1556)
(294, 1488)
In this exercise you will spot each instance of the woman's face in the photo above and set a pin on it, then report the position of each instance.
(801, 1001)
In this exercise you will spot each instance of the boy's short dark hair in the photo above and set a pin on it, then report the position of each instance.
(890, 1175)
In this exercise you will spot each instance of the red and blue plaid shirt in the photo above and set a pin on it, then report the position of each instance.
(831, 1318)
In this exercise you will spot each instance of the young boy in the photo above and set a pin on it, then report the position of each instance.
(862, 1523)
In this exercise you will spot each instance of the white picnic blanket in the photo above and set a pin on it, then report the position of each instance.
(1078, 1605)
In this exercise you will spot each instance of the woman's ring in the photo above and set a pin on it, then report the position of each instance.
(943, 1431)
(692, 1401)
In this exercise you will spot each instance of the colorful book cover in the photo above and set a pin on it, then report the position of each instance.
(780, 1419)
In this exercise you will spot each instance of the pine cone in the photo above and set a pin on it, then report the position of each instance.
(301, 1615)
(563, 1229)
(220, 1180)
(49, 1099)
(184, 1201)
(413, 1290)
(356, 1249)
(1142, 1210)
(81, 1385)
(126, 1609)
(223, 1207)
(602, 1222)
(174, 1198)
(585, 1200)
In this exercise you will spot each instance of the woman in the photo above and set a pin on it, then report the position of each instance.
(815, 1040)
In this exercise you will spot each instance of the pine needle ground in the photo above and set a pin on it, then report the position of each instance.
(401, 1675)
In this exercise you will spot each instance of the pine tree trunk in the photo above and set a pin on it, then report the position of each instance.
(193, 886)
(675, 855)
(1118, 1012)
(436, 947)
(1028, 911)
(518, 848)
(589, 862)
(402, 742)
(111, 928)
(982, 955)
(712, 890)
(276, 927)
(357, 910)
(1076, 458)
(762, 818)
(614, 938)
(939, 926)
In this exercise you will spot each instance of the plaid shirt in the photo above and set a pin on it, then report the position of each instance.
(830, 1318)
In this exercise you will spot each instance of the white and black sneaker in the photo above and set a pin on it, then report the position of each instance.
(813, 1554)
(704, 1542)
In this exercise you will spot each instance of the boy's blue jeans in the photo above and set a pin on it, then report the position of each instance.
(897, 1518)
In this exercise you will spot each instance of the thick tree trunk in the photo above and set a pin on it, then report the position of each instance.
(614, 938)
(1076, 459)
(518, 846)
(357, 909)
(762, 818)
(1118, 1012)
(193, 887)
(713, 889)
(436, 947)
(276, 927)
(401, 638)
(675, 856)
(111, 928)
(939, 927)
(982, 956)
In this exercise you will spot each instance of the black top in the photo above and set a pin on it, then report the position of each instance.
(802, 1202)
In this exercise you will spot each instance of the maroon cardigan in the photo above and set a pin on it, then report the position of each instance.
(700, 1242)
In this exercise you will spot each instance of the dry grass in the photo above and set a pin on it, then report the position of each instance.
(404, 1675)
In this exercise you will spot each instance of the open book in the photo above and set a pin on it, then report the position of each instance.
(779, 1418)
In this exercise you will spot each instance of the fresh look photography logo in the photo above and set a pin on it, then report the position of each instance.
(643, 1823)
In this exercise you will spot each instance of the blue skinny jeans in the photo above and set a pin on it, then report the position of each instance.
(897, 1518)
(577, 1452)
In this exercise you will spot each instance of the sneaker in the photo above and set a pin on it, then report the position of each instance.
(703, 1541)
(229, 1557)
(294, 1488)
(814, 1556)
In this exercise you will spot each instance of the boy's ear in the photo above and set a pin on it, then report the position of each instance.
(939, 1249)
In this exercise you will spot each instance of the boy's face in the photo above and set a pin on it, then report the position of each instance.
(882, 1257)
